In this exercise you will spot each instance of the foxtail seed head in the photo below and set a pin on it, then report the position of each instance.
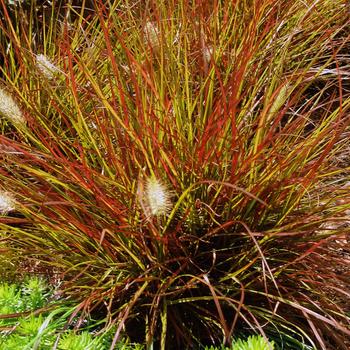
(9, 108)
(156, 199)
(151, 33)
(207, 53)
(46, 67)
(7, 203)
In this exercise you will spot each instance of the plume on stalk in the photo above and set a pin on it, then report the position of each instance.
(9, 108)
(7, 203)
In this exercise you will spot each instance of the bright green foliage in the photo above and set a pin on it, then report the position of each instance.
(43, 331)
(35, 291)
(82, 341)
(14, 343)
(88, 341)
(21, 331)
(33, 294)
(251, 343)
(10, 299)
(31, 331)
(30, 326)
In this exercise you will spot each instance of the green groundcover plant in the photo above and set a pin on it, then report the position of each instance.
(252, 343)
(27, 323)
(31, 318)
(182, 166)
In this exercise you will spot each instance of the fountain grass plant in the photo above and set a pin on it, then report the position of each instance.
(184, 165)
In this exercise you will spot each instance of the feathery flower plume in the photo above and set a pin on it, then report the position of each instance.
(151, 33)
(158, 197)
(280, 99)
(207, 52)
(46, 67)
(9, 108)
(7, 203)
(154, 197)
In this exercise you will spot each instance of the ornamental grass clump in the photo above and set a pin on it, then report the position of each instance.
(186, 200)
